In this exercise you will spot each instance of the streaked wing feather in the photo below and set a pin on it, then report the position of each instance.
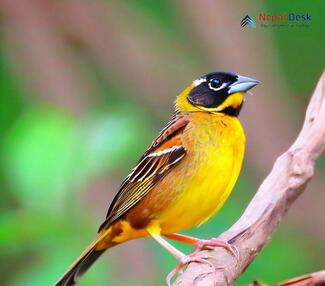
(156, 162)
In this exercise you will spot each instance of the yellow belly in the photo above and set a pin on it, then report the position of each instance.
(207, 174)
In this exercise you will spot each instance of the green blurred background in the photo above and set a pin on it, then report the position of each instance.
(86, 85)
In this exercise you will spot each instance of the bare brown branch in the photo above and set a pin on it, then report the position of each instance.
(311, 279)
(290, 174)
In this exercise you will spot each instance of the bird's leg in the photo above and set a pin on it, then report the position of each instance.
(170, 248)
(180, 256)
(203, 243)
(182, 238)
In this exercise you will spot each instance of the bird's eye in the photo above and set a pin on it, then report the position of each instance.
(215, 84)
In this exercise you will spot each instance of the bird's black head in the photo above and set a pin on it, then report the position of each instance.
(221, 92)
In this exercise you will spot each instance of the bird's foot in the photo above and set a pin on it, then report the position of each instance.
(215, 242)
(185, 260)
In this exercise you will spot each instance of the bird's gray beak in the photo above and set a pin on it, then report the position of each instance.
(242, 84)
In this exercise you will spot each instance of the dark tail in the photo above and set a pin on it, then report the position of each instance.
(81, 265)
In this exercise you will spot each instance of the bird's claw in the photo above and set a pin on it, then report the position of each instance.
(214, 242)
(184, 260)
(195, 257)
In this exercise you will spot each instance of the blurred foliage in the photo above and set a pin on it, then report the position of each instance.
(51, 158)
(294, 45)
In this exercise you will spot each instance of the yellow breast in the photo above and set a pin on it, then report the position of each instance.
(215, 147)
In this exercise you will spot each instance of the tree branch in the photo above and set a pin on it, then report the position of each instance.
(290, 174)
(311, 279)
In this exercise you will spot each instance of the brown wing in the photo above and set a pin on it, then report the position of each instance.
(163, 154)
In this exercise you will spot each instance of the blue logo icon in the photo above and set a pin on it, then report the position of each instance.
(248, 21)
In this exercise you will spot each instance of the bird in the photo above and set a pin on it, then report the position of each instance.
(183, 178)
